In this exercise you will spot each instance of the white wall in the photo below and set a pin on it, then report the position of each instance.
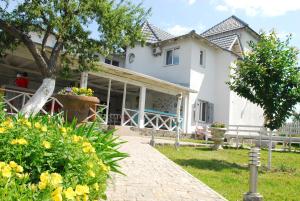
(155, 66)
(245, 38)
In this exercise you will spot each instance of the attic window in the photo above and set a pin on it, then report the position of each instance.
(172, 56)
(202, 58)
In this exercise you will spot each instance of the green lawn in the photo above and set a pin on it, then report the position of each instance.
(226, 171)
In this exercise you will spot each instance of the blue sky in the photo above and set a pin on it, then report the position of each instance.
(181, 16)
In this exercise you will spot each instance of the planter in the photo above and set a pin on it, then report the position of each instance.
(217, 137)
(78, 107)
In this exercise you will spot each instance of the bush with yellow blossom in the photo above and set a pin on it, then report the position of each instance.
(62, 161)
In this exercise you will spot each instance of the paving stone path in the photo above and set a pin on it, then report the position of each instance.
(150, 176)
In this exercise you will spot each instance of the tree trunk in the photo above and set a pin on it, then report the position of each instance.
(39, 99)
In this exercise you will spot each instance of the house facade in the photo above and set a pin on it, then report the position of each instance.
(169, 79)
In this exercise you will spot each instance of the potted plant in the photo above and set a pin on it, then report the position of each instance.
(218, 131)
(77, 103)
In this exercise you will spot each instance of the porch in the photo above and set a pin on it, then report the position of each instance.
(126, 98)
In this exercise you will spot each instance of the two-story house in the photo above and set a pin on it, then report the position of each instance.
(200, 62)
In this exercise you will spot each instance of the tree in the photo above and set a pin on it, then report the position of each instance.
(269, 77)
(118, 25)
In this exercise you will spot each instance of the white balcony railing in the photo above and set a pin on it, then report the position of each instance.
(130, 117)
(161, 121)
(14, 100)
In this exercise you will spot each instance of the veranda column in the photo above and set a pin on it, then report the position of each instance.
(142, 102)
(123, 104)
(179, 100)
(185, 112)
(108, 101)
(84, 79)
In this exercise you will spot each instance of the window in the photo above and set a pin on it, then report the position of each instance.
(107, 61)
(172, 57)
(203, 112)
(202, 58)
(115, 63)
(111, 62)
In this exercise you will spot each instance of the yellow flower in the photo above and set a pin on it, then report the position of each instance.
(42, 185)
(90, 164)
(44, 128)
(76, 138)
(91, 173)
(2, 164)
(33, 187)
(37, 125)
(96, 186)
(70, 193)
(46, 144)
(21, 176)
(85, 197)
(20, 141)
(82, 189)
(2, 130)
(45, 177)
(13, 164)
(56, 195)
(19, 168)
(63, 130)
(88, 148)
(56, 179)
(6, 171)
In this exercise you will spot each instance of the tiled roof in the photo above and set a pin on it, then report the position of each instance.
(154, 34)
(229, 24)
(224, 41)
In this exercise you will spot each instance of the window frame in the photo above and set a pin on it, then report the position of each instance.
(203, 58)
(173, 52)
(200, 109)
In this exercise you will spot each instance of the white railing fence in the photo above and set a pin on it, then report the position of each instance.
(161, 122)
(98, 113)
(130, 117)
(14, 100)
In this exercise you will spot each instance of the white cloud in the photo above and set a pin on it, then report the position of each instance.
(178, 30)
(191, 2)
(259, 7)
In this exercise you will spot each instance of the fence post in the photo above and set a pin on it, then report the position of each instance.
(254, 163)
(270, 150)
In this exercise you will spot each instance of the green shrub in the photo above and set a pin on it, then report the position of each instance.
(217, 125)
(77, 158)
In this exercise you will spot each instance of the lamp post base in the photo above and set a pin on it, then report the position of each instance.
(252, 197)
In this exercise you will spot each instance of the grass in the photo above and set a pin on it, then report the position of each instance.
(226, 171)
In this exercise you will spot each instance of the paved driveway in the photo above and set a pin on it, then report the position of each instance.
(150, 176)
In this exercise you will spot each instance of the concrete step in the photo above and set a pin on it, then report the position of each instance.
(126, 131)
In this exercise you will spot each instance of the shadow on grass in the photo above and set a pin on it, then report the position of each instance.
(213, 164)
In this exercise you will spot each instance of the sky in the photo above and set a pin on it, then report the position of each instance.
(181, 16)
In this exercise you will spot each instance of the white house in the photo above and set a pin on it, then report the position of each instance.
(201, 63)
(141, 87)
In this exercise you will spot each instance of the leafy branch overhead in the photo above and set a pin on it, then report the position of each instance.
(269, 77)
(118, 24)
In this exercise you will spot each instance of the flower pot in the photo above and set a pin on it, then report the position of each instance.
(217, 137)
(78, 107)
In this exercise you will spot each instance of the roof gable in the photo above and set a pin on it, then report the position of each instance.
(154, 34)
(229, 24)
(225, 42)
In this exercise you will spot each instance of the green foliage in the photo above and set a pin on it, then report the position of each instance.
(76, 91)
(269, 77)
(218, 125)
(60, 159)
(117, 24)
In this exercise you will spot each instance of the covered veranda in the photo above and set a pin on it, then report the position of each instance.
(127, 98)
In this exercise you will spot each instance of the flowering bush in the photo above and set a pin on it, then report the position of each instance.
(61, 161)
(76, 91)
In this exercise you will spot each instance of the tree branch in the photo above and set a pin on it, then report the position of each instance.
(55, 54)
(46, 36)
(13, 31)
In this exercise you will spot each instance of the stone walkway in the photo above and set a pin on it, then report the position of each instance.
(150, 176)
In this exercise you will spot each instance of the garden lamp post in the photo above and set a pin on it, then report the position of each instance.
(254, 163)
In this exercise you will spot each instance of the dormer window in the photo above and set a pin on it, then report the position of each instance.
(172, 56)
